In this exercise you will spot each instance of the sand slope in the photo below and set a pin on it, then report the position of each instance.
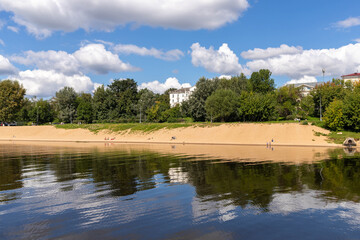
(251, 133)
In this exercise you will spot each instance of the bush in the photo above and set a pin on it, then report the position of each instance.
(334, 117)
(256, 107)
(304, 123)
(351, 111)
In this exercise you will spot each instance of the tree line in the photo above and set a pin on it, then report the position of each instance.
(238, 99)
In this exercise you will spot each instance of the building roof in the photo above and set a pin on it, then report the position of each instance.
(352, 75)
(181, 90)
(309, 84)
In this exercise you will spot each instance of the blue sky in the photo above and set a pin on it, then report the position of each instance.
(49, 44)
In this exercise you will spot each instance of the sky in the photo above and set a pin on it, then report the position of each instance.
(49, 44)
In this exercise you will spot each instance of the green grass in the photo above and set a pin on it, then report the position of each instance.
(340, 138)
(148, 127)
(140, 127)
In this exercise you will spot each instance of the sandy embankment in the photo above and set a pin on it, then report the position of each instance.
(289, 134)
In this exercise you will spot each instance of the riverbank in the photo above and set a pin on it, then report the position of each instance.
(276, 134)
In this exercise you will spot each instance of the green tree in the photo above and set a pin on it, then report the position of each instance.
(171, 115)
(11, 99)
(307, 107)
(85, 109)
(287, 98)
(257, 107)
(327, 92)
(146, 100)
(222, 105)
(204, 88)
(66, 104)
(23, 114)
(162, 104)
(334, 117)
(125, 93)
(351, 110)
(261, 81)
(238, 84)
(41, 112)
(103, 103)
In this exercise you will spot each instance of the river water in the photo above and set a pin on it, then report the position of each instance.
(80, 191)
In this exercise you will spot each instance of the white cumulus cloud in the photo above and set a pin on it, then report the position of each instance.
(45, 83)
(335, 61)
(58, 61)
(258, 53)
(223, 60)
(349, 22)
(171, 55)
(41, 17)
(305, 79)
(6, 67)
(95, 58)
(159, 87)
(89, 58)
(304, 65)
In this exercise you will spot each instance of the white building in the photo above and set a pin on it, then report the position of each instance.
(180, 95)
(305, 88)
(354, 77)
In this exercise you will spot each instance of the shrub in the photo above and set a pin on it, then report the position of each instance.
(334, 117)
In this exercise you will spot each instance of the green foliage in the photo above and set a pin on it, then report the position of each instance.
(171, 115)
(287, 98)
(327, 92)
(351, 110)
(140, 127)
(238, 84)
(41, 112)
(66, 103)
(102, 103)
(305, 123)
(11, 99)
(146, 100)
(204, 88)
(307, 107)
(222, 105)
(333, 117)
(261, 82)
(124, 95)
(257, 107)
(85, 109)
(23, 113)
(162, 104)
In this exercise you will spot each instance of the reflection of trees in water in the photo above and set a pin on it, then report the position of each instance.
(10, 174)
(125, 173)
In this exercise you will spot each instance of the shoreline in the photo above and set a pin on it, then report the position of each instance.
(171, 143)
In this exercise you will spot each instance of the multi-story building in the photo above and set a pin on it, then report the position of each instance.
(305, 88)
(354, 77)
(180, 95)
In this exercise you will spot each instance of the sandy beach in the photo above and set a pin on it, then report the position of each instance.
(288, 134)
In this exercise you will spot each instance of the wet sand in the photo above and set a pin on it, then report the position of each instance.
(218, 153)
